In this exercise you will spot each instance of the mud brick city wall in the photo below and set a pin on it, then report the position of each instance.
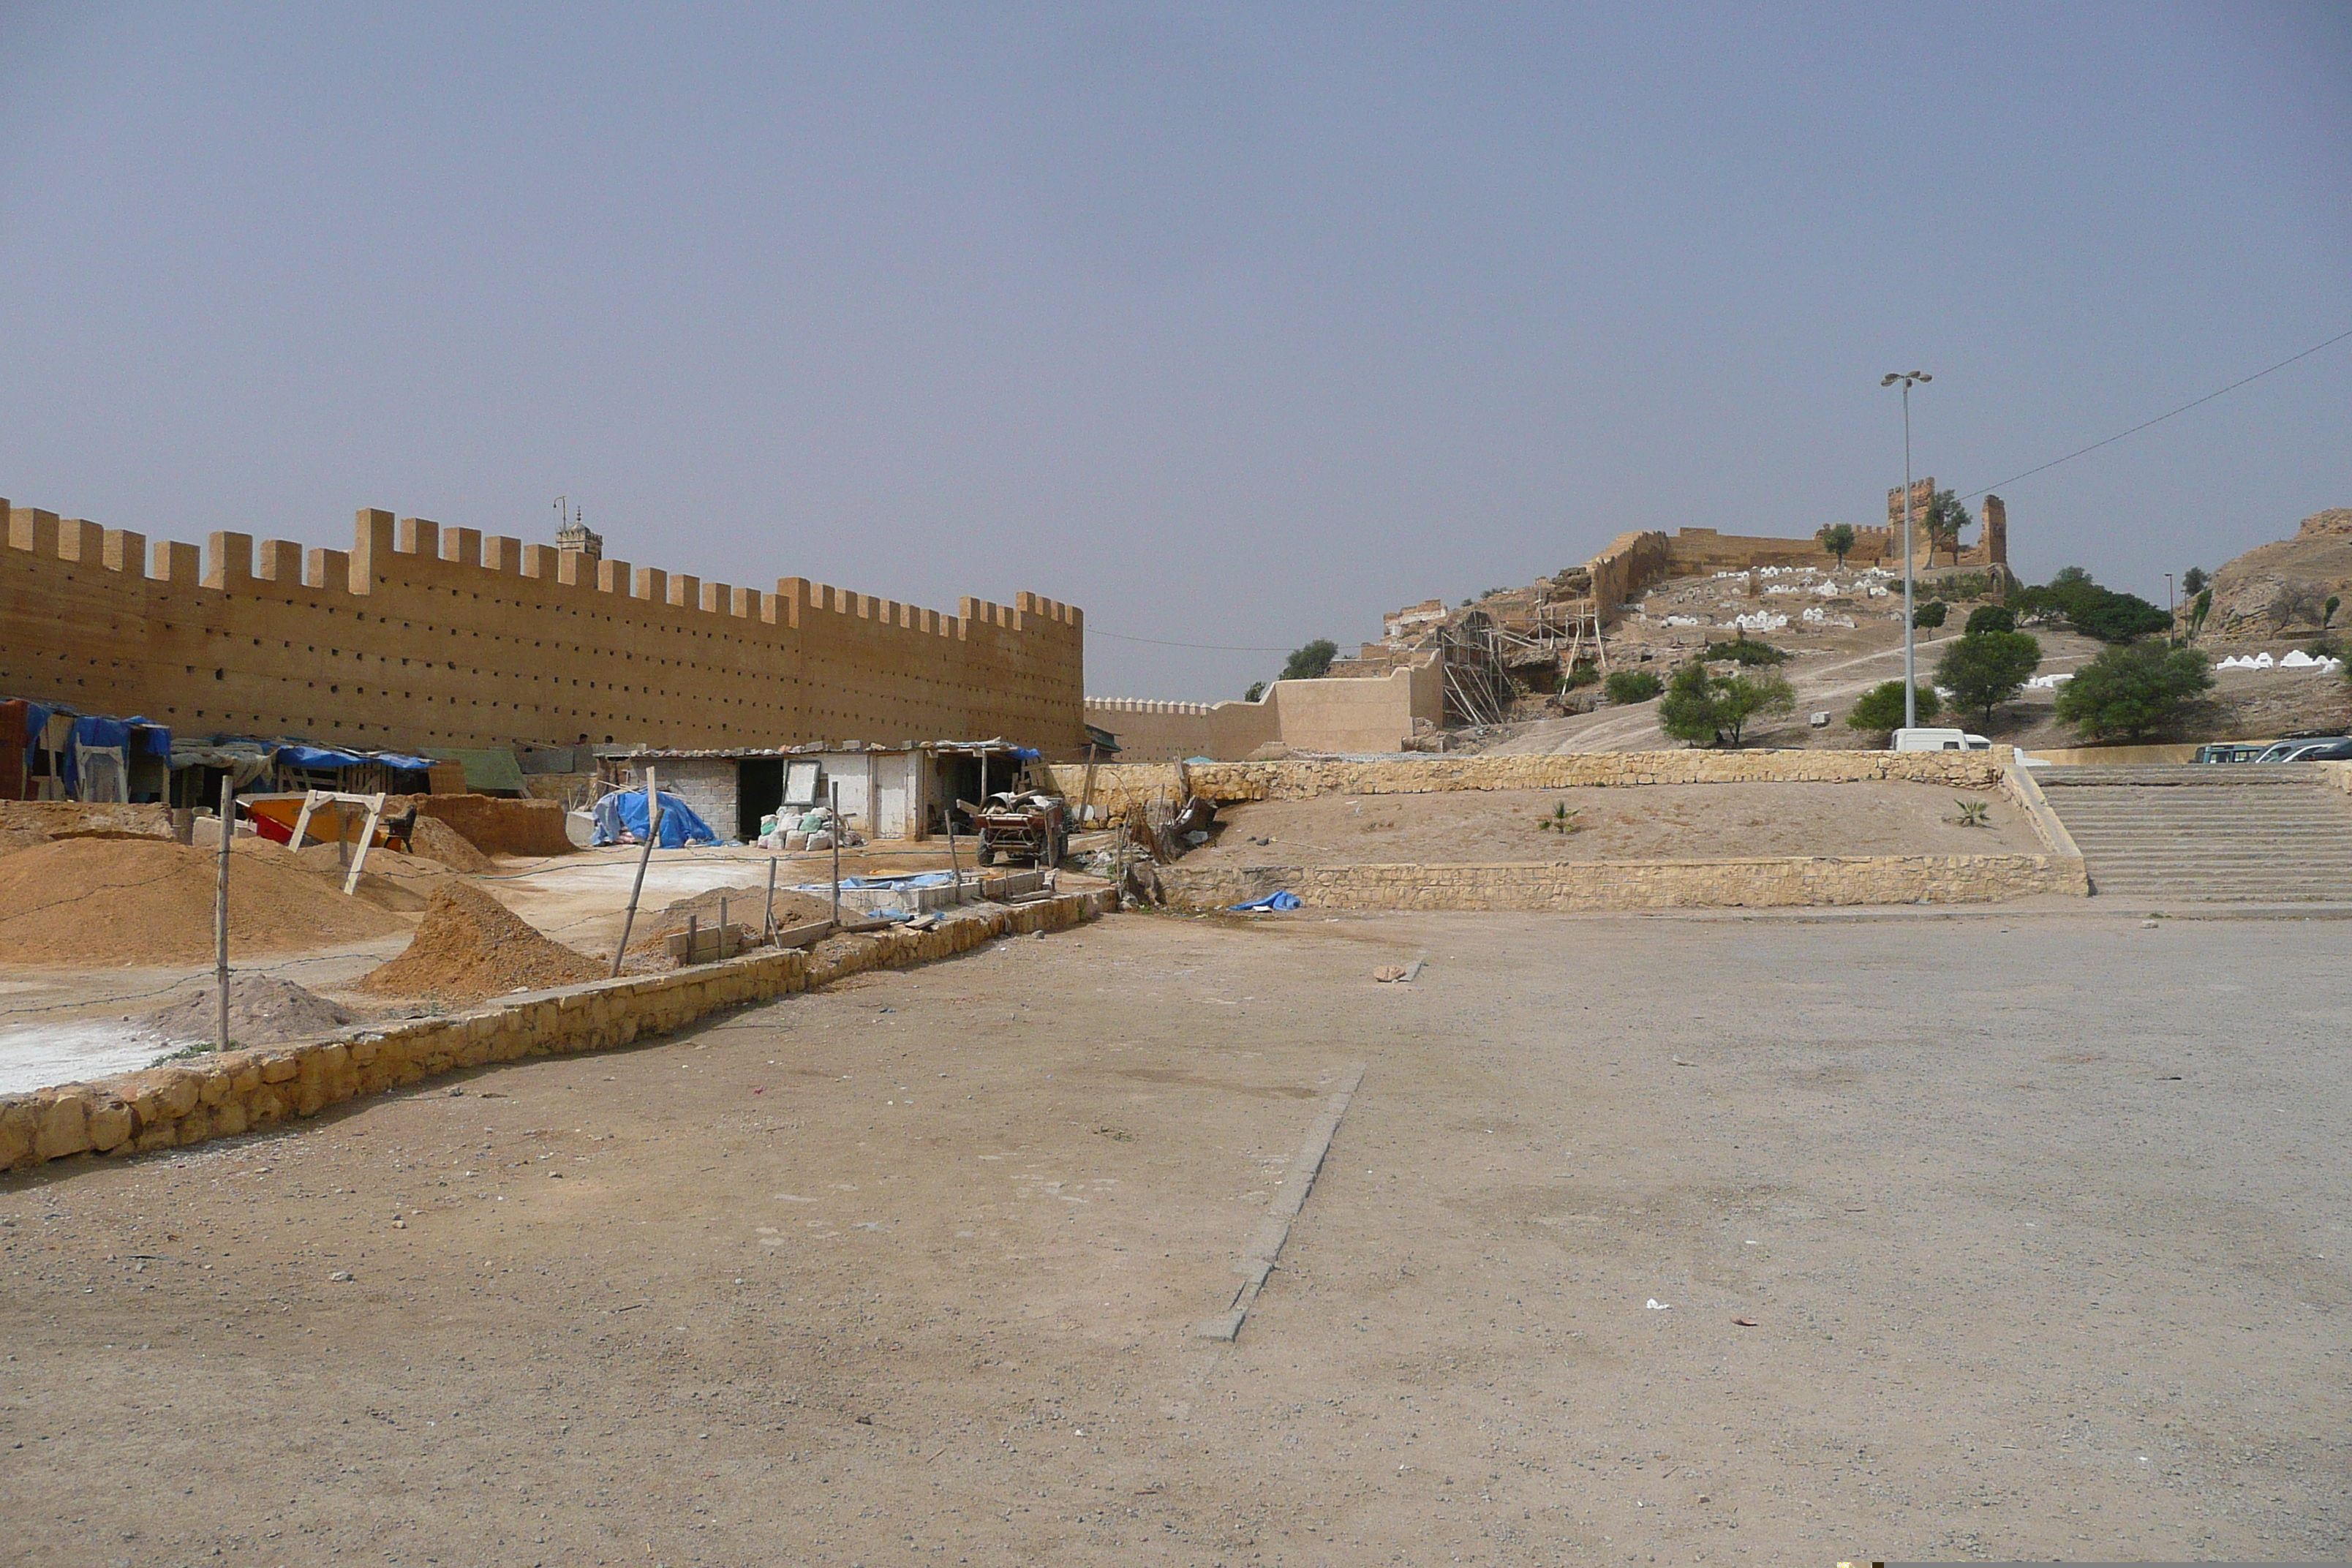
(421, 636)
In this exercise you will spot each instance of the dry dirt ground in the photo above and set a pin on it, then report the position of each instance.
(2040, 1221)
(1682, 821)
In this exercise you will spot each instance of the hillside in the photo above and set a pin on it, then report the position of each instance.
(2280, 589)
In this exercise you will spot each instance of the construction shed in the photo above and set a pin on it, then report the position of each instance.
(887, 792)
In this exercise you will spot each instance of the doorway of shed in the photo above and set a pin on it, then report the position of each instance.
(759, 790)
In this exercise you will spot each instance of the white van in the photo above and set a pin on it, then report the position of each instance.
(1927, 739)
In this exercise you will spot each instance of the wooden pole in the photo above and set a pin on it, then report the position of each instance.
(653, 831)
(769, 923)
(835, 835)
(220, 905)
(955, 862)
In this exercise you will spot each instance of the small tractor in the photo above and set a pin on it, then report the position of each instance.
(1023, 824)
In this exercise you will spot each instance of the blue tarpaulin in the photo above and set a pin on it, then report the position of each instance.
(625, 813)
(327, 759)
(1280, 899)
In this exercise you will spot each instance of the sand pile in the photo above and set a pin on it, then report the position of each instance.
(15, 838)
(436, 840)
(263, 1010)
(745, 907)
(471, 946)
(90, 902)
(388, 880)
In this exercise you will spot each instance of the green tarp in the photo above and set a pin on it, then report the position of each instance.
(486, 773)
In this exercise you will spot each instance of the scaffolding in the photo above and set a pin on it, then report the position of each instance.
(1478, 685)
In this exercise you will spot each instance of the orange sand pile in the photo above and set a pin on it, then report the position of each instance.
(104, 902)
(470, 947)
(436, 840)
(745, 907)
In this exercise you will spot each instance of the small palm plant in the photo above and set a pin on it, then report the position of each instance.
(1561, 820)
(1975, 813)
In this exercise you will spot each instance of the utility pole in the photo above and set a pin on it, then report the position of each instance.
(220, 905)
(1910, 626)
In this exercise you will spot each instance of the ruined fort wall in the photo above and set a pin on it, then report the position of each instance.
(1151, 731)
(421, 636)
(1631, 562)
(1336, 714)
(1703, 551)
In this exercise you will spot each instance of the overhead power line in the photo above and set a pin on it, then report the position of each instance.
(1210, 647)
(2159, 419)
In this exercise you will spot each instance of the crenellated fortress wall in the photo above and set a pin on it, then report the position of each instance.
(426, 636)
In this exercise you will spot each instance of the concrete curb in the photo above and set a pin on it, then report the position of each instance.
(1257, 1262)
(222, 1096)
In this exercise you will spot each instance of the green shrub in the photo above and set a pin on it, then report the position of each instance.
(1311, 662)
(1714, 709)
(1579, 677)
(1741, 651)
(1964, 585)
(1930, 614)
(1990, 618)
(2093, 611)
(2132, 689)
(1629, 686)
(1985, 669)
(1881, 707)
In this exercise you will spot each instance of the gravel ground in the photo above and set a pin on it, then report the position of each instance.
(2040, 1221)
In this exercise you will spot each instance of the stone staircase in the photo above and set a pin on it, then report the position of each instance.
(2240, 832)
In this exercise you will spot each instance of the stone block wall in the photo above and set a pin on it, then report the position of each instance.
(1763, 883)
(69, 818)
(222, 1096)
(1117, 785)
(420, 636)
(708, 785)
(1414, 775)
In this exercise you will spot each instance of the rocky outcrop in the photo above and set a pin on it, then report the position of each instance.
(2281, 590)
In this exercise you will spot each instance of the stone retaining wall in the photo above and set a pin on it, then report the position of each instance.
(65, 818)
(222, 1096)
(1303, 779)
(1603, 885)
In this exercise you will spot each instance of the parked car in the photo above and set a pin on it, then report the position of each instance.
(2321, 751)
(2288, 750)
(2232, 751)
(1924, 739)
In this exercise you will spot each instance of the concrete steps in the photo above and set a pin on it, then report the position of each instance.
(2235, 834)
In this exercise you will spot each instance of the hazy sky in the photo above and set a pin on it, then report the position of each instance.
(1232, 325)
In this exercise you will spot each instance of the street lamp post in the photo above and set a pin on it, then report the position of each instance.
(1910, 628)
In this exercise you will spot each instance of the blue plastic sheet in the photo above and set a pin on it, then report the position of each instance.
(1281, 899)
(325, 758)
(625, 813)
